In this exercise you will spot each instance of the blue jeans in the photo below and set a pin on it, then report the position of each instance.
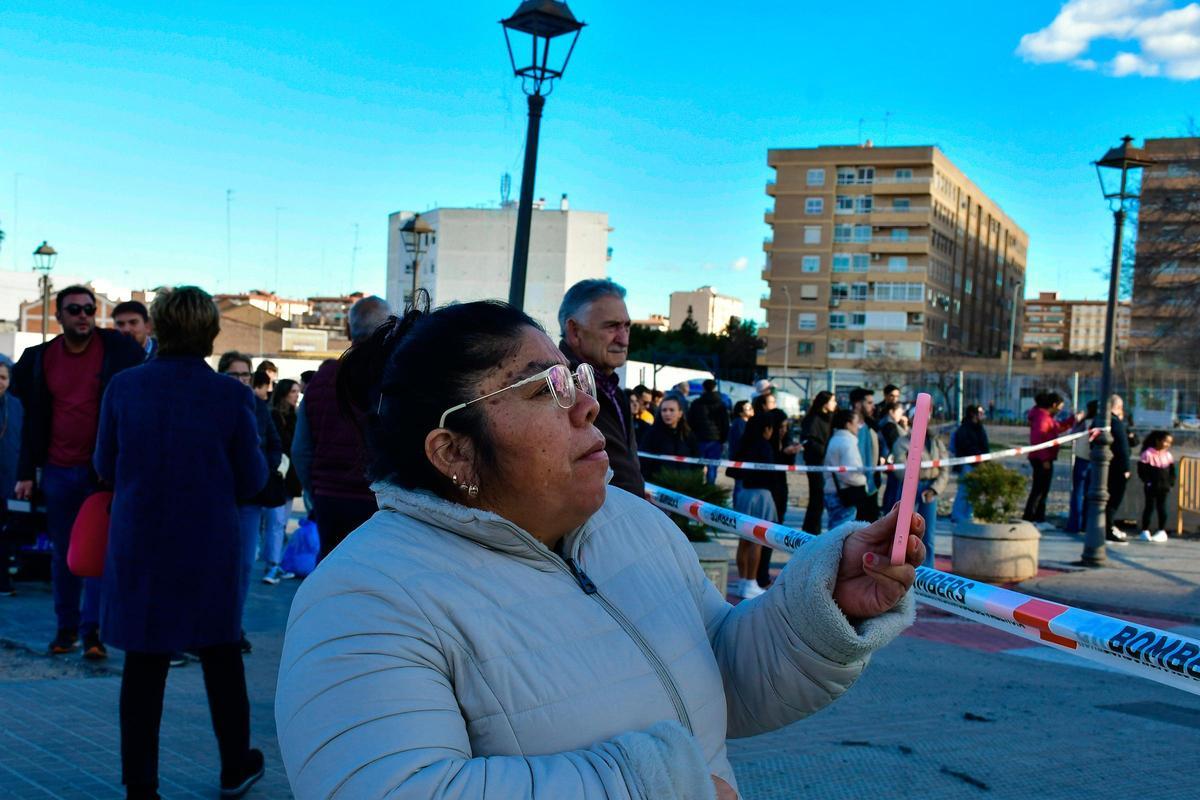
(276, 525)
(711, 450)
(928, 512)
(65, 489)
(249, 526)
(1077, 511)
(838, 513)
(962, 511)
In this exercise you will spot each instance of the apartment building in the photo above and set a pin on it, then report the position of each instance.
(884, 253)
(710, 311)
(1073, 326)
(1166, 275)
(470, 256)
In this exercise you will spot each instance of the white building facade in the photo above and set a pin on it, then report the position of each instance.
(470, 257)
(710, 311)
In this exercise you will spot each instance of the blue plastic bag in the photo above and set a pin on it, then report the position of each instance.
(300, 557)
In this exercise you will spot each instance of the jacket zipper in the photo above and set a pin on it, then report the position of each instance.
(664, 676)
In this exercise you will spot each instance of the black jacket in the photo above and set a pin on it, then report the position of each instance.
(1120, 447)
(29, 384)
(667, 442)
(619, 440)
(709, 418)
(814, 436)
(1158, 480)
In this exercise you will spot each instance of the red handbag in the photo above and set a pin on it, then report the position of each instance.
(89, 536)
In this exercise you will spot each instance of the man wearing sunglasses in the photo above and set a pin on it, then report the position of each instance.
(595, 331)
(60, 383)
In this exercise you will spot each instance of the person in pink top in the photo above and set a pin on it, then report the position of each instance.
(1043, 426)
(1156, 469)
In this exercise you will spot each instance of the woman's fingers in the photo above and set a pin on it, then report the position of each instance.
(894, 581)
(916, 551)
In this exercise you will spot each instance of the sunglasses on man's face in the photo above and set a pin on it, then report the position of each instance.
(74, 309)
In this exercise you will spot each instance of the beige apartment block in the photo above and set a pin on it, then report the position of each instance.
(1166, 274)
(1074, 326)
(884, 253)
(710, 311)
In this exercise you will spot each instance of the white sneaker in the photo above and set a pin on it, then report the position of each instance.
(1146, 537)
(1159, 536)
(752, 590)
(1117, 535)
(735, 588)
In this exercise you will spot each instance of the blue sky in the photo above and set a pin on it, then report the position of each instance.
(126, 122)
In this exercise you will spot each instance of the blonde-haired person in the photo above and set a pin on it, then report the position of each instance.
(179, 444)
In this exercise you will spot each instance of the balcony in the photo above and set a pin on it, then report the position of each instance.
(912, 215)
(771, 188)
(886, 244)
(916, 185)
(768, 244)
(769, 216)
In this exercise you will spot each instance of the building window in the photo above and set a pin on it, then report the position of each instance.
(968, 286)
(845, 204)
(839, 291)
(898, 264)
(841, 262)
(899, 234)
(858, 320)
(866, 175)
(862, 233)
(901, 204)
(858, 291)
(899, 292)
(810, 264)
(814, 205)
(863, 204)
(903, 175)
(846, 176)
(816, 177)
(808, 322)
(812, 234)
(808, 291)
(843, 233)
(837, 321)
(804, 348)
(861, 262)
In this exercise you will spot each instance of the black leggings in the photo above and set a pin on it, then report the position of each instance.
(816, 502)
(1043, 476)
(142, 686)
(1156, 500)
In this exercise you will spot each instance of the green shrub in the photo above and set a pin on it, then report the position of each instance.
(691, 483)
(995, 492)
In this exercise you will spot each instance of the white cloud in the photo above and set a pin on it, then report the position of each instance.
(1168, 37)
(740, 264)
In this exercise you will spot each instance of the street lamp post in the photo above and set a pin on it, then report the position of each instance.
(416, 233)
(787, 333)
(1012, 335)
(542, 21)
(43, 261)
(1114, 172)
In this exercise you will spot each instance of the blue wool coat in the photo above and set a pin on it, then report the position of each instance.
(179, 444)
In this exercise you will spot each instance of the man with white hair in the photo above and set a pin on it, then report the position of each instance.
(595, 330)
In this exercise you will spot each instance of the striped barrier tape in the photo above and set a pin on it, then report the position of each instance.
(937, 462)
(1162, 656)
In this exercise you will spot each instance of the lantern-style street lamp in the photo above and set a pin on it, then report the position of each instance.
(1121, 185)
(417, 235)
(43, 261)
(541, 22)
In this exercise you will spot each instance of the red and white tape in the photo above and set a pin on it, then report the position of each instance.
(937, 462)
(1141, 650)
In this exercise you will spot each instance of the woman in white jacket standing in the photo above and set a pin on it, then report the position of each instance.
(507, 626)
(845, 492)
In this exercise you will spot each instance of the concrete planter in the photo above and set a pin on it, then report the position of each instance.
(714, 560)
(996, 553)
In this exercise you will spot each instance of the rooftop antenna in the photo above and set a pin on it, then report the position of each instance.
(505, 189)
(354, 257)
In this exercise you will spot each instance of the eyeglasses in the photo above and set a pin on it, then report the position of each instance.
(241, 376)
(559, 378)
(74, 309)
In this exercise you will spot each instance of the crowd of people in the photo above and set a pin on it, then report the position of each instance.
(490, 575)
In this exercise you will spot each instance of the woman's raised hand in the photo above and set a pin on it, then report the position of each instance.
(867, 583)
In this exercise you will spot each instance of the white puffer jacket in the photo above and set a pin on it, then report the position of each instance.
(442, 652)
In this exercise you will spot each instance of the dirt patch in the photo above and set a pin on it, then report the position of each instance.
(19, 663)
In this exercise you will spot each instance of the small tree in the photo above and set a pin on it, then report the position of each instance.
(995, 492)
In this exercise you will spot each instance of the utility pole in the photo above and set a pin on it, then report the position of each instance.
(229, 239)
(1012, 334)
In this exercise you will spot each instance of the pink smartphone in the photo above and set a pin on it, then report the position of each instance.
(912, 476)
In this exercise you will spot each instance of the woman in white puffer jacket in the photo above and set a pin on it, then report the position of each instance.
(507, 626)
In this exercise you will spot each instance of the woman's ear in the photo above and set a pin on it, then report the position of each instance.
(452, 454)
